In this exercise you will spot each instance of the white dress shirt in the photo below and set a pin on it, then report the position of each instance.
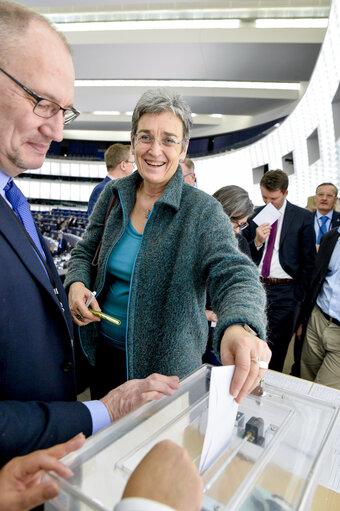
(276, 270)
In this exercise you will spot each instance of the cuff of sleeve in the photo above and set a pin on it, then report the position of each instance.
(138, 504)
(99, 415)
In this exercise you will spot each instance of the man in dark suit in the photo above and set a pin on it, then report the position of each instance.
(285, 253)
(325, 216)
(319, 322)
(38, 406)
(119, 162)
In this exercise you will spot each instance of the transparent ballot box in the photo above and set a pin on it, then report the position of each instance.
(272, 462)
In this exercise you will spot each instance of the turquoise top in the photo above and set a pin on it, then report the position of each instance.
(188, 246)
(120, 269)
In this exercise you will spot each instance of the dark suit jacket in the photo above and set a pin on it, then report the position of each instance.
(323, 257)
(97, 190)
(37, 378)
(297, 245)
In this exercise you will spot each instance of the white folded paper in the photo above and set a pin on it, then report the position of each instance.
(268, 214)
(221, 415)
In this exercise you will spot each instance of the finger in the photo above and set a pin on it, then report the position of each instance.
(161, 383)
(95, 305)
(37, 495)
(250, 382)
(84, 318)
(242, 368)
(60, 450)
(49, 459)
(151, 395)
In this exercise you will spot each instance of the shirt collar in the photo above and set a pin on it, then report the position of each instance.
(283, 208)
(4, 178)
(329, 214)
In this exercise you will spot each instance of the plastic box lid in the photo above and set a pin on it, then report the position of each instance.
(277, 469)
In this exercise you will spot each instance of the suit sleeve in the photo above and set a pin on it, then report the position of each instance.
(230, 276)
(249, 234)
(307, 251)
(28, 426)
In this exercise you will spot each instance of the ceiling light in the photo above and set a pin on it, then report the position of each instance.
(220, 84)
(147, 25)
(292, 23)
(106, 112)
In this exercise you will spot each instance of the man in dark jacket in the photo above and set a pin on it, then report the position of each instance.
(284, 253)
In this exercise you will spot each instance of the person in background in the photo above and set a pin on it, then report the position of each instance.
(311, 204)
(319, 322)
(62, 243)
(162, 245)
(188, 169)
(119, 163)
(38, 394)
(284, 253)
(237, 205)
(325, 216)
(22, 486)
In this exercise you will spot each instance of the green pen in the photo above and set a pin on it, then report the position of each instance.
(102, 315)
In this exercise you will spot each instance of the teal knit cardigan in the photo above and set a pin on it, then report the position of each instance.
(188, 246)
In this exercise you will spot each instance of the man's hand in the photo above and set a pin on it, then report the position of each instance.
(77, 297)
(167, 475)
(133, 393)
(262, 233)
(299, 332)
(21, 486)
(243, 349)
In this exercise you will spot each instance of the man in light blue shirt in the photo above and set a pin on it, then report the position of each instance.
(325, 216)
(320, 317)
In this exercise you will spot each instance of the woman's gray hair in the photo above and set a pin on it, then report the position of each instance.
(156, 101)
(235, 201)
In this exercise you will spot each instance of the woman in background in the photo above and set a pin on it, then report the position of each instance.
(238, 206)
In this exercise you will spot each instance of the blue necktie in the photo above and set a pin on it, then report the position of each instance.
(22, 210)
(323, 228)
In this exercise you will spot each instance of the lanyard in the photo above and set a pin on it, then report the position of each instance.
(47, 268)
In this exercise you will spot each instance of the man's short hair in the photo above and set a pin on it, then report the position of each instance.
(275, 180)
(327, 184)
(115, 154)
(14, 21)
(190, 164)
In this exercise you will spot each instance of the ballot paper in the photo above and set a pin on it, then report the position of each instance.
(268, 214)
(221, 416)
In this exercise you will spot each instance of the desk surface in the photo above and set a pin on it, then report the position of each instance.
(327, 495)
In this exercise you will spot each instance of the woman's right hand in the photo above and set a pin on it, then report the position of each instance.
(77, 297)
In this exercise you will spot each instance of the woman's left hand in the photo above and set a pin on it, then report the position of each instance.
(249, 354)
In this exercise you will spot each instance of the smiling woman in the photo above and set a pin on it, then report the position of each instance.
(163, 242)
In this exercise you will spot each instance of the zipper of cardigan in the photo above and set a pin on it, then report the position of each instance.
(128, 307)
(113, 246)
(106, 263)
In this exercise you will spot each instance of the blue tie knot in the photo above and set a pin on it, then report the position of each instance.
(324, 219)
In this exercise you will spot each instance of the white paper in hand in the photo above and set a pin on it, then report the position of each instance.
(268, 214)
(221, 415)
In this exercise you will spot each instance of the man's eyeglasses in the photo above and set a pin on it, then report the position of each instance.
(237, 224)
(148, 140)
(128, 161)
(45, 107)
